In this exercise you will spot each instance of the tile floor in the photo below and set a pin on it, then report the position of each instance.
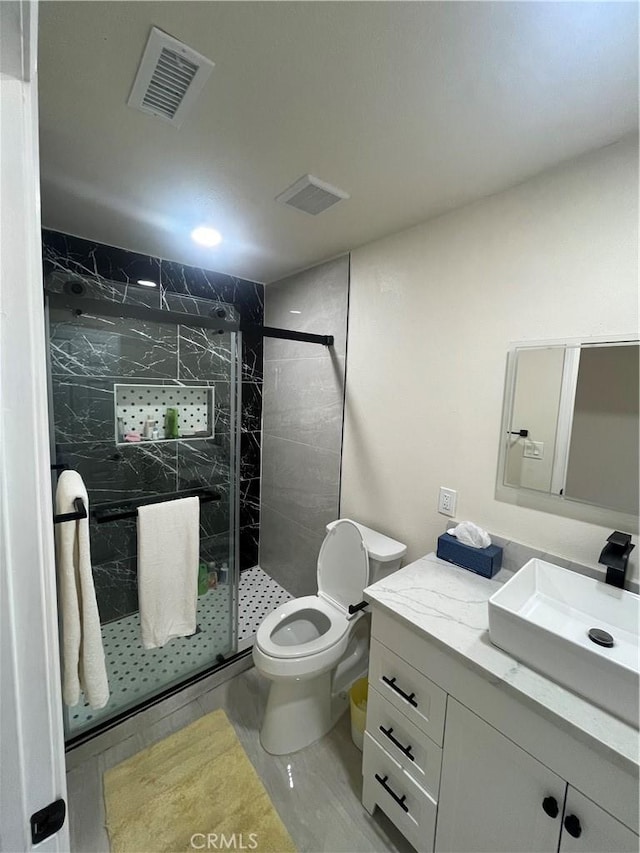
(316, 791)
(135, 672)
(258, 595)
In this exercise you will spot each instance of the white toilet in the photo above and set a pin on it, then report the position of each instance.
(313, 648)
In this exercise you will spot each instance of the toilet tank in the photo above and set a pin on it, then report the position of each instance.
(385, 553)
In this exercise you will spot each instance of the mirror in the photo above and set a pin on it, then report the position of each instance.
(571, 431)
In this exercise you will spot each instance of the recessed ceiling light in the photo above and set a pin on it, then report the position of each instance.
(295, 312)
(145, 282)
(206, 236)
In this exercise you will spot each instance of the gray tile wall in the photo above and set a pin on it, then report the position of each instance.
(303, 402)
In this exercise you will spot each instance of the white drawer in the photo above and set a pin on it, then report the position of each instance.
(419, 699)
(386, 785)
(411, 748)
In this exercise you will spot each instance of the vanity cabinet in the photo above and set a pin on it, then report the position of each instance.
(494, 796)
(589, 829)
(455, 763)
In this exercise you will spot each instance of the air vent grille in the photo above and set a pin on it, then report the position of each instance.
(170, 77)
(311, 195)
(169, 83)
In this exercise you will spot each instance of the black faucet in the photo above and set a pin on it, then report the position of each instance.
(615, 556)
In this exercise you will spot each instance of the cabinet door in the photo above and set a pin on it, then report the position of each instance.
(492, 792)
(589, 829)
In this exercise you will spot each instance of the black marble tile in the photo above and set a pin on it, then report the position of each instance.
(195, 281)
(89, 354)
(247, 296)
(249, 513)
(191, 305)
(111, 346)
(215, 517)
(204, 354)
(99, 289)
(216, 549)
(252, 360)
(249, 546)
(250, 455)
(222, 409)
(95, 262)
(116, 585)
(202, 462)
(251, 419)
(121, 473)
(114, 540)
(250, 493)
(82, 409)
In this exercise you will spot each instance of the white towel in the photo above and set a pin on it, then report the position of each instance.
(82, 652)
(168, 556)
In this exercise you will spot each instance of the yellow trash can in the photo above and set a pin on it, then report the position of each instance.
(358, 701)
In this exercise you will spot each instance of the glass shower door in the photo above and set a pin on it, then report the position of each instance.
(113, 379)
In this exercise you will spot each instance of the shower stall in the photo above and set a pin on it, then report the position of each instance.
(118, 366)
(124, 360)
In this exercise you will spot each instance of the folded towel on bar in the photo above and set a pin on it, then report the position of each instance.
(168, 556)
(83, 666)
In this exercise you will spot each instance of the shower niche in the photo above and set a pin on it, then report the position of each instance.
(162, 413)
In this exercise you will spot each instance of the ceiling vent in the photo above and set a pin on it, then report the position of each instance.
(169, 79)
(311, 195)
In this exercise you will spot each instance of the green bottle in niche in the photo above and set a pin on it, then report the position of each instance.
(171, 423)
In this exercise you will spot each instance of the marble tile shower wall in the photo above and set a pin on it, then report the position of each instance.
(88, 356)
(302, 423)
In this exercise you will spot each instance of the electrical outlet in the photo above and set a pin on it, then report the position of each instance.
(447, 501)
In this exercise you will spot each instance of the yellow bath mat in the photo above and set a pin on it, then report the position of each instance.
(195, 790)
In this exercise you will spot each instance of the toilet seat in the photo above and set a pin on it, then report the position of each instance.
(343, 566)
(343, 573)
(337, 628)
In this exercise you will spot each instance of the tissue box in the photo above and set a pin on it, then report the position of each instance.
(482, 561)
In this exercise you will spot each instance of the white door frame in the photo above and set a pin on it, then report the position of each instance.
(32, 765)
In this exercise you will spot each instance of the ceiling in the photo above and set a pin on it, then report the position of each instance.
(412, 108)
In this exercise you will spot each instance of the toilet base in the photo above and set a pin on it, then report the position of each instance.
(298, 713)
(302, 710)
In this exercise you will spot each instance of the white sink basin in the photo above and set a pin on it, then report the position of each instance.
(543, 615)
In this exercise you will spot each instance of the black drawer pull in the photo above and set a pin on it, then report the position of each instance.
(399, 800)
(405, 750)
(406, 696)
(572, 825)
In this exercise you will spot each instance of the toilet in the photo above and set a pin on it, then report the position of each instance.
(313, 648)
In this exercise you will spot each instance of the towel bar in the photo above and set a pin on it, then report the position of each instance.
(119, 510)
(81, 512)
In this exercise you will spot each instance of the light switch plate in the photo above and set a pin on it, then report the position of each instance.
(533, 449)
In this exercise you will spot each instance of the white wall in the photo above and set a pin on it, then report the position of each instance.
(432, 313)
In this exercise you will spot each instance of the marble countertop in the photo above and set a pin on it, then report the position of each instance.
(449, 605)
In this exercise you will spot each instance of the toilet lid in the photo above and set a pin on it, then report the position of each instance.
(343, 566)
